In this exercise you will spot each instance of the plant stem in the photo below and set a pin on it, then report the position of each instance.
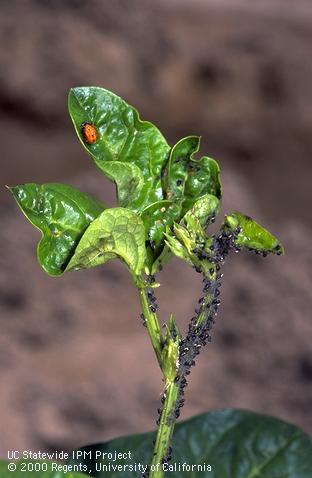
(152, 325)
(165, 430)
(167, 417)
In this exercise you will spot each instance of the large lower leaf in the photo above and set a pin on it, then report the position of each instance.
(62, 213)
(38, 469)
(120, 136)
(234, 443)
(117, 232)
(251, 235)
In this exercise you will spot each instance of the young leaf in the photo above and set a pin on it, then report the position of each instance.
(186, 179)
(170, 351)
(117, 232)
(188, 237)
(176, 171)
(251, 235)
(120, 136)
(156, 218)
(177, 248)
(203, 178)
(190, 233)
(204, 209)
(62, 213)
(185, 242)
(235, 443)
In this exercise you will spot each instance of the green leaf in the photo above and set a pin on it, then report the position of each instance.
(176, 171)
(235, 443)
(160, 216)
(186, 179)
(170, 350)
(121, 136)
(62, 213)
(156, 218)
(117, 232)
(177, 248)
(204, 209)
(204, 178)
(251, 235)
(187, 238)
(190, 234)
(128, 179)
(32, 469)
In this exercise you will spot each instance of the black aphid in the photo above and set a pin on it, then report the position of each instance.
(143, 319)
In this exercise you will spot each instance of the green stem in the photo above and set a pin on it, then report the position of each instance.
(212, 276)
(171, 393)
(165, 430)
(152, 326)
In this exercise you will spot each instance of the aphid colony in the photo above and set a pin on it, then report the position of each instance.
(151, 299)
(201, 324)
(198, 334)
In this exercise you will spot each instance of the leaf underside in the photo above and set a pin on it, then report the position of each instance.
(117, 232)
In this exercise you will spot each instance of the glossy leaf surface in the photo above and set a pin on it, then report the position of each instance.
(236, 443)
(203, 178)
(186, 179)
(129, 181)
(156, 218)
(117, 232)
(121, 136)
(176, 171)
(62, 213)
(168, 188)
(135, 155)
(251, 235)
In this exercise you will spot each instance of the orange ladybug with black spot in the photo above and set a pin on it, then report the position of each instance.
(89, 132)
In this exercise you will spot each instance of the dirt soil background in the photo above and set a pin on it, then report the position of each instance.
(75, 362)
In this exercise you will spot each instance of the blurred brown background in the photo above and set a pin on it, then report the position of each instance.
(75, 362)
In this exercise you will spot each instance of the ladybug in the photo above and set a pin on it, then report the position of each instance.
(89, 132)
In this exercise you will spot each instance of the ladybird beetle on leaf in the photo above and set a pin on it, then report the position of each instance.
(89, 132)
